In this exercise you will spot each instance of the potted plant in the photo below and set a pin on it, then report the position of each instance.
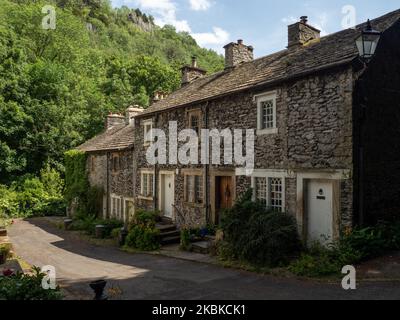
(4, 253)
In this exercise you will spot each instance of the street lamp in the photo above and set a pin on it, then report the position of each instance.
(367, 42)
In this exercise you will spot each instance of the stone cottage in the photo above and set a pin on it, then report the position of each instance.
(326, 129)
(326, 132)
(110, 164)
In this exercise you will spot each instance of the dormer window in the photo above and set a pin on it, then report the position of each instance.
(266, 114)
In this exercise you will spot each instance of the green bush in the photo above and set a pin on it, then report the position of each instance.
(144, 238)
(89, 223)
(143, 234)
(26, 287)
(259, 236)
(32, 196)
(185, 240)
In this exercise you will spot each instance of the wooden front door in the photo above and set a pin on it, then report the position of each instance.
(224, 195)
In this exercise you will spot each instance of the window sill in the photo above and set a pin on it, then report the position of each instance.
(145, 198)
(264, 132)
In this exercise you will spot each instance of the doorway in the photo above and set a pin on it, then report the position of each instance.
(224, 196)
(167, 194)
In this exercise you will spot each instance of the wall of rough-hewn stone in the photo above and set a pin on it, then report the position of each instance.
(97, 170)
(314, 120)
(122, 180)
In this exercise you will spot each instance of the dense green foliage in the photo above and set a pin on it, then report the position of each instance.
(57, 86)
(32, 196)
(143, 234)
(88, 224)
(354, 247)
(76, 181)
(26, 287)
(256, 235)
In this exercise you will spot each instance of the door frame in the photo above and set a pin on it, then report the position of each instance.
(214, 173)
(335, 177)
(161, 191)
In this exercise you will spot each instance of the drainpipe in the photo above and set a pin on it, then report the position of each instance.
(108, 184)
(207, 169)
(155, 184)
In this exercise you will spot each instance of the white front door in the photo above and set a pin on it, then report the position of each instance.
(319, 211)
(167, 195)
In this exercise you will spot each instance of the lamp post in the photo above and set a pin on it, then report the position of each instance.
(367, 42)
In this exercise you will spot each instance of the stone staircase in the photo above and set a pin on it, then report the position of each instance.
(169, 233)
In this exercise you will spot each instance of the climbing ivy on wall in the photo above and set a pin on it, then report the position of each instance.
(76, 179)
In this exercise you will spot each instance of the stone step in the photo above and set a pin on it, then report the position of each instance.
(202, 247)
(174, 233)
(165, 227)
(170, 240)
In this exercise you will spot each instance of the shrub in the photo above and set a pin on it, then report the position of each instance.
(5, 250)
(27, 287)
(88, 224)
(185, 240)
(259, 236)
(143, 234)
(143, 238)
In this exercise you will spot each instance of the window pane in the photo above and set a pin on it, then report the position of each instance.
(194, 123)
(151, 187)
(276, 194)
(199, 189)
(144, 179)
(267, 114)
(261, 190)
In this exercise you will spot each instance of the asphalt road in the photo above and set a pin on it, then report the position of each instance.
(149, 277)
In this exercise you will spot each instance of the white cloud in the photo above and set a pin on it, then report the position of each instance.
(164, 11)
(200, 5)
(215, 39)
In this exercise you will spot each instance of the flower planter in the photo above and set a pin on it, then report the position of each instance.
(67, 223)
(99, 231)
(3, 232)
(3, 257)
(98, 288)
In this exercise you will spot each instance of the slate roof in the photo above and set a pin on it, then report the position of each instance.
(335, 49)
(119, 137)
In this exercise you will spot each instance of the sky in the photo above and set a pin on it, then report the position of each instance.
(260, 23)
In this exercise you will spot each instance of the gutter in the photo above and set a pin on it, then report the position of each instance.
(268, 83)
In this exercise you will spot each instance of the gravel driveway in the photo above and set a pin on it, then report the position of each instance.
(141, 276)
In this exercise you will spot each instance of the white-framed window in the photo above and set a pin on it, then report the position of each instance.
(266, 113)
(147, 185)
(147, 129)
(194, 188)
(117, 210)
(269, 188)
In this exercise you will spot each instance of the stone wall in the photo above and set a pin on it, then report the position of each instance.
(314, 120)
(122, 180)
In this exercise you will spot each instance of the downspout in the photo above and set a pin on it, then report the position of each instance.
(155, 184)
(207, 168)
(108, 184)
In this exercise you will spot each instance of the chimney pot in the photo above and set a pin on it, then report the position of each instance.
(304, 19)
(240, 41)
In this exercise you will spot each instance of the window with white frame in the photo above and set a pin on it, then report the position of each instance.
(266, 113)
(147, 184)
(270, 191)
(194, 189)
(116, 208)
(147, 128)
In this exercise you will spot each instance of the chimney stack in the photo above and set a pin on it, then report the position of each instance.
(131, 113)
(301, 33)
(114, 120)
(192, 72)
(237, 53)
